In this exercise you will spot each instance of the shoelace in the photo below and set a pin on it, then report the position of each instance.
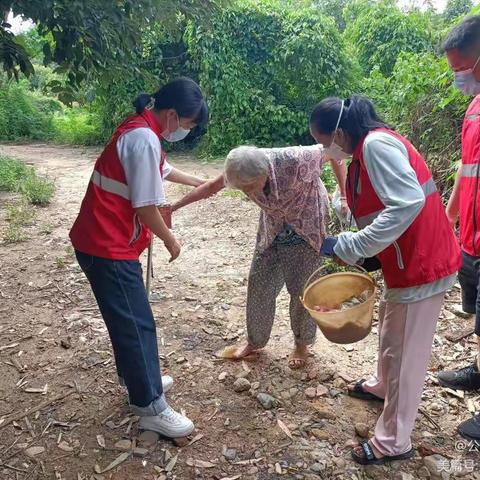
(171, 415)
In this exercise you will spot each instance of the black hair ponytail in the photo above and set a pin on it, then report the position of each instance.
(141, 102)
(359, 117)
(183, 95)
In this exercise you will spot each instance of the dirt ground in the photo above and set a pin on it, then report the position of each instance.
(58, 388)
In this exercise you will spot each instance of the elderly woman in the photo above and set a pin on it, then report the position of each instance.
(285, 183)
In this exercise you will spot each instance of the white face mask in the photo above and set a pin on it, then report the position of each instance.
(335, 151)
(179, 134)
(466, 82)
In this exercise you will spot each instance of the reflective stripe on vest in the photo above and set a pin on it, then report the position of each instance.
(109, 185)
(470, 170)
(428, 188)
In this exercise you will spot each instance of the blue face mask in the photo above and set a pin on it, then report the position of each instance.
(466, 82)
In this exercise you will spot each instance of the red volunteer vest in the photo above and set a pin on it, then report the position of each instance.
(469, 183)
(428, 250)
(107, 225)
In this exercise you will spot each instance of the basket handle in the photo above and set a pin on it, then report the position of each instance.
(358, 267)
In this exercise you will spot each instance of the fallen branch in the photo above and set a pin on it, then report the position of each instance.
(430, 419)
(18, 416)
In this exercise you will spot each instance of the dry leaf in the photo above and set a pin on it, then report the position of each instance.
(199, 463)
(5, 347)
(248, 462)
(171, 464)
(195, 439)
(43, 390)
(120, 459)
(285, 429)
(455, 393)
(470, 405)
(101, 441)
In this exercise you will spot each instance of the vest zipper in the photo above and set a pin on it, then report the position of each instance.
(401, 265)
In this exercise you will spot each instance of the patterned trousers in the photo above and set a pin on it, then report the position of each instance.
(280, 265)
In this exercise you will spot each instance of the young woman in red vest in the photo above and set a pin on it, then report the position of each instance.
(402, 221)
(117, 218)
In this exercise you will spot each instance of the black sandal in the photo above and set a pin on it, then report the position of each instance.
(369, 457)
(359, 392)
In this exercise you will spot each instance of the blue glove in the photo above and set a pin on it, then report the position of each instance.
(327, 247)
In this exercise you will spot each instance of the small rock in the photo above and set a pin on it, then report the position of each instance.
(312, 374)
(222, 376)
(339, 383)
(326, 375)
(267, 401)
(123, 445)
(230, 454)
(324, 412)
(65, 446)
(351, 443)
(334, 392)
(181, 441)
(403, 476)
(181, 360)
(423, 472)
(311, 392)
(255, 385)
(322, 391)
(435, 464)
(34, 451)
(140, 452)
(147, 439)
(339, 462)
(293, 392)
(241, 385)
(320, 434)
(66, 343)
(362, 430)
(318, 467)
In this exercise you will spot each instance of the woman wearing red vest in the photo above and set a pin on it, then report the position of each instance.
(402, 222)
(117, 218)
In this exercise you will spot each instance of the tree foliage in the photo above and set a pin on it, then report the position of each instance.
(263, 66)
(91, 36)
(381, 32)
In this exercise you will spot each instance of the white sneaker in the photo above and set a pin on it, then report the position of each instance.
(167, 383)
(169, 423)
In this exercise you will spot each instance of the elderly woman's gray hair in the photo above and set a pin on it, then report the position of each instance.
(245, 164)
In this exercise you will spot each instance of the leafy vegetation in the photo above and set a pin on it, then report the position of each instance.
(262, 64)
(15, 176)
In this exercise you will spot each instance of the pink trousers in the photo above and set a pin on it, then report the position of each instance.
(406, 333)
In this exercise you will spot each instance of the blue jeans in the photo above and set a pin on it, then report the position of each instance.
(121, 296)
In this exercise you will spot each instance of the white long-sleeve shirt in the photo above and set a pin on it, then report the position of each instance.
(395, 182)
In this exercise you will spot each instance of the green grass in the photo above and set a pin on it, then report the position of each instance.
(21, 214)
(38, 190)
(12, 173)
(15, 176)
(13, 234)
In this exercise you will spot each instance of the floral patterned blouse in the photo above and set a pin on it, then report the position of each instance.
(295, 196)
